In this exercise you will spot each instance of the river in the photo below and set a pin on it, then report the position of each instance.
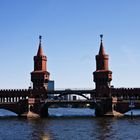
(69, 124)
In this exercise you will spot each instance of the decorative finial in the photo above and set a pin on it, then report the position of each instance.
(101, 36)
(40, 37)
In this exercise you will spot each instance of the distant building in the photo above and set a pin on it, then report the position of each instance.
(51, 85)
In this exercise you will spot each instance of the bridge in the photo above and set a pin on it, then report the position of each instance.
(21, 101)
(104, 98)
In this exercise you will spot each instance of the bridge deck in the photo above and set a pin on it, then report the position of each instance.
(68, 102)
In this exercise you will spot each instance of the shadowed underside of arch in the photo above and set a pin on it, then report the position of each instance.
(19, 108)
(11, 107)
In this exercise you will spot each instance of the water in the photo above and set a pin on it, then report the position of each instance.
(72, 126)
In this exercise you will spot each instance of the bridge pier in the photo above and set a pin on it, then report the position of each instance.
(103, 107)
(22, 108)
(37, 108)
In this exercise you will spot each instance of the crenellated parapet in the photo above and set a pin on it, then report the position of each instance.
(14, 92)
(23, 93)
(125, 92)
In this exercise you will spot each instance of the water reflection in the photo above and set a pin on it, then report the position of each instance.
(45, 137)
(38, 129)
(105, 128)
(70, 128)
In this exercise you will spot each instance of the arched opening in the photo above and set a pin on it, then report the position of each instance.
(134, 112)
(7, 112)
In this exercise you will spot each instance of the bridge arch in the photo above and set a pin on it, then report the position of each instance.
(7, 112)
(11, 109)
(16, 108)
(65, 93)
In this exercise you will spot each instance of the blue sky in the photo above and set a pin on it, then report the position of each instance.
(70, 30)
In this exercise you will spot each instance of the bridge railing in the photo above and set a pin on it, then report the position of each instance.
(66, 89)
(12, 99)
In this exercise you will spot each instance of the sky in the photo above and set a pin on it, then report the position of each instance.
(70, 32)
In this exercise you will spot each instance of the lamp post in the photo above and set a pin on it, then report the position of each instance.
(131, 105)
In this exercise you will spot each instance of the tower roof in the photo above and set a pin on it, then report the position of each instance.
(40, 50)
(101, 51)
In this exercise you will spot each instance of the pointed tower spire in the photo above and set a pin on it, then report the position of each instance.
(101, 51)
(40, 50)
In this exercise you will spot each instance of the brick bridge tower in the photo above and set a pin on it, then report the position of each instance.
(40, 75)
(40, 78)
(102, 76)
